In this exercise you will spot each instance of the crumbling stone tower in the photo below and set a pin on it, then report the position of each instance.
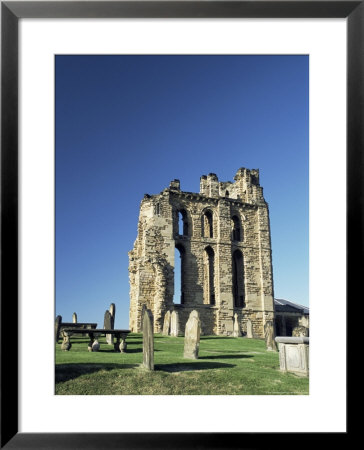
(222, 235)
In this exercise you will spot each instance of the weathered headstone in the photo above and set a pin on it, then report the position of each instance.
(166, 323)
(249, 329)
(74, 317)
(192, 336)
(148, 342)
(236, 330)
(294, 354)
(112, 312)
(57, 327)
(269, 335)
(108, 326)
(174, 324)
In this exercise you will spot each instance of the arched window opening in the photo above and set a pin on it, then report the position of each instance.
(157, 209)
(209, 276)
(182, 223)
(236, 231)
(179, 263)
(207, 225)
(226, 193)
(238, 279)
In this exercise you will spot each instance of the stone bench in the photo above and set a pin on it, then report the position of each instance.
(294, 354)
(62, 325)
(94, 345)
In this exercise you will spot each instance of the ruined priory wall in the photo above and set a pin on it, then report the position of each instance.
(151, 266)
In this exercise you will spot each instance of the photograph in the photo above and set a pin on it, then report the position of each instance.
(181, 224)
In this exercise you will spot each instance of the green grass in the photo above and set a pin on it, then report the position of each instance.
(226, 366)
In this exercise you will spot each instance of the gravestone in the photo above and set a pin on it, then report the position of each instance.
(174, 324)
(192, 336)
(236, 329)
(294, 354)
(269, 336)
(249, 329)
(112, 312)
(108, 326)
(148, 342)
(167, 323)
(110, 337)
(74, 317)
(57, 327)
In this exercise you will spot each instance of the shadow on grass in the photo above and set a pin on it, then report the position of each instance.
(226, 357)
(217, 337)
(185, 366)
(66, 372)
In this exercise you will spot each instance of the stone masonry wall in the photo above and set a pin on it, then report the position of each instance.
(225, 248)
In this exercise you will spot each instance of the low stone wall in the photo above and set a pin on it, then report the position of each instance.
(294, 354)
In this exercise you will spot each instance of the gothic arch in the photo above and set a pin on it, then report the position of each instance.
(182, 254)
(238, 279)
(207, 223)
(183, 222)
(209, 276)
(236, 228)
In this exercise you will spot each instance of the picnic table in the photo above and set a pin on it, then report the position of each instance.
(94, 345)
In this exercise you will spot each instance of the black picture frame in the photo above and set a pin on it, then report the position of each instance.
(11, 12)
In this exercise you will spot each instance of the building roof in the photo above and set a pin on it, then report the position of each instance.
(282, 305)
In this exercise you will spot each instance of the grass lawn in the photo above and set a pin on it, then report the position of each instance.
(226, 366)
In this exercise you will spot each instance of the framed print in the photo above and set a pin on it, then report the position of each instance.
(57, 54)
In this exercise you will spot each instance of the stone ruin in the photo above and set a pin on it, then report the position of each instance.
(222, 237)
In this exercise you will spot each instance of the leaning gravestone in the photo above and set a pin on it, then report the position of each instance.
(112, 312)
(110, 337)
(249, 329)
(269, 335)
(74, 318)
(174, 324)
(148, 342)
(192, 336)
(166, 323)
(108, 326)
(57, 327)
(236, 329)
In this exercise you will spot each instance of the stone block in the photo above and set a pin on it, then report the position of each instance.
(294, 354)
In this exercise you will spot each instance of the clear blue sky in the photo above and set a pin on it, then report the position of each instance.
(128, 125)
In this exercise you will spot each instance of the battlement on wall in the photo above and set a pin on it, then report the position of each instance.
(246, 186)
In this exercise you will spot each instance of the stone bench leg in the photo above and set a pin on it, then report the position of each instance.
(117, 343)
(66, 344)
(120, 346)
(123, 345)
(96, 345)
(90, 344)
